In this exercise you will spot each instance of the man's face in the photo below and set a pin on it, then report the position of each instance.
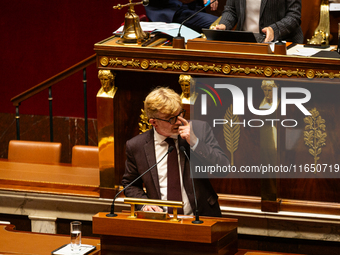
(164, 127)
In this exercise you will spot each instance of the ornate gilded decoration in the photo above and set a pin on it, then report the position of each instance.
(206, 68)
(268, 71)
(145, 64)
(185, 66)
(231, 134)
(144, 125)
(314, 136)
(164, 65)
(310, 73)
(330, 75)
(115, 62)
(188, 95)
(322, 32)
(107, 80)
(289, 73)
(104, 61)
(246, 70)
(226, 69)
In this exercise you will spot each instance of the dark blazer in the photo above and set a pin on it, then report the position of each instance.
(140, 152)
(283, 16)
(164, 10)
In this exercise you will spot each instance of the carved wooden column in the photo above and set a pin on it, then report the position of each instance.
(269, 152)
(105, 122)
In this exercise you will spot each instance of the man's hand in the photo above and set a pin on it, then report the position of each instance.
(186, 130)
(220, 27)
(269, 34)
(152, 208)
(213, 6)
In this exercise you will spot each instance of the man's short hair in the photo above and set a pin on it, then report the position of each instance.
(162, 100)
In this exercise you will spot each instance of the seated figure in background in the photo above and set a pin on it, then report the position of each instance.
(176, 11)
(277, 20)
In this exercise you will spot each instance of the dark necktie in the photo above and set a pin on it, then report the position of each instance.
(174, 184)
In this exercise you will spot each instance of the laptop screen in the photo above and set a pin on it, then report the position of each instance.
(233, 36)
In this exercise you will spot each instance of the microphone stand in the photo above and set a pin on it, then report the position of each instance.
(197, 216)
(112, 212)
(178, 41)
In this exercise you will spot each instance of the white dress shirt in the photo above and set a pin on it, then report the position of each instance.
(252, 16)
(161, 147)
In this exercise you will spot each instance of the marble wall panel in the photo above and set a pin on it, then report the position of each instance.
(66, 130)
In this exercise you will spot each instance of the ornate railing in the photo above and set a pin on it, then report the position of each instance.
(47, 84)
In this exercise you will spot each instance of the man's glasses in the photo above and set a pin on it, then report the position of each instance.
(173, 120)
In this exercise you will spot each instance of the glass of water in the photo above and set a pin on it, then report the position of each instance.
(75, 235)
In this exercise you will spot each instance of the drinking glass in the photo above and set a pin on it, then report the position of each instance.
(75, 235)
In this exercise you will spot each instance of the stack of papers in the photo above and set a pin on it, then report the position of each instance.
(167, 28)
(300, 50)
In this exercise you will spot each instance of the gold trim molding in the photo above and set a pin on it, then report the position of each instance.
(144, 125)
(226, 69)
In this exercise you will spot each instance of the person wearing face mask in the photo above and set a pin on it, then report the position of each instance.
(163, 107)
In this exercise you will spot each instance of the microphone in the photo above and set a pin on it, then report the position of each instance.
(197, 218)
(178, 42)
(112, 212)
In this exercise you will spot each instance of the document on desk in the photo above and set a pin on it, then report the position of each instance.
(173, 28)
(66, 250)
(300, 50)
(167, 28)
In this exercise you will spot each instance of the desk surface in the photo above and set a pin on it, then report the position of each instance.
(43, 244)
(60, 179)
(25, 243)
(165, 59)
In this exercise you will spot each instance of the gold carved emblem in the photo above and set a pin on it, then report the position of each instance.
(185, 66)
(315, 135)
(144, 125)
(231, 133)
(104, 61)
(226, 69)
(310, 73)
(145, 64)
(268, 71)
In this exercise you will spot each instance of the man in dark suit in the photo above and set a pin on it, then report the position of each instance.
(176, 11)
(277, 19)
(164, 110)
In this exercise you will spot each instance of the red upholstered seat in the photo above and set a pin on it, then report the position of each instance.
(34, 152)
(85, 156)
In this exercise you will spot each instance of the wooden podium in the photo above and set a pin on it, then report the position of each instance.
(123, 235)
